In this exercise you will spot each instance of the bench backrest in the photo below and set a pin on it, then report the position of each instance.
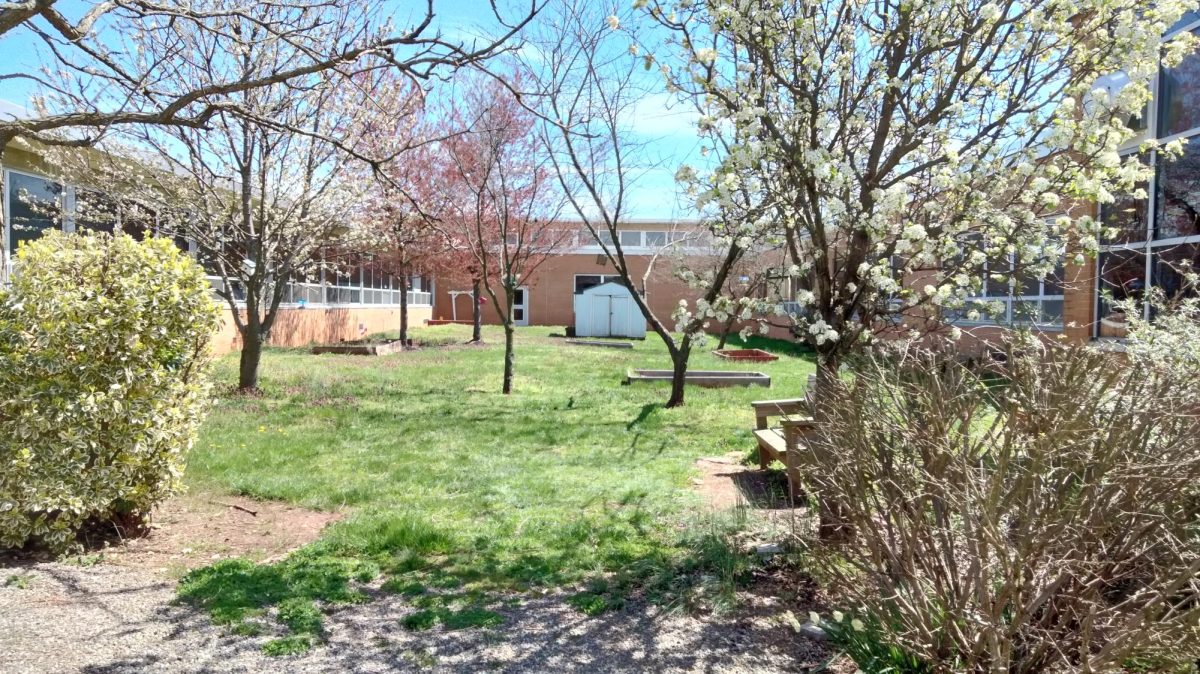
(765, 409)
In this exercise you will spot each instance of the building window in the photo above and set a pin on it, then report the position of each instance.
(1177, 196)
(1179, 98)
(585, 281)
(631, 238)
(34, 206)
(656, 238)
(1014, 294)
(96, 212)
(1158, 239)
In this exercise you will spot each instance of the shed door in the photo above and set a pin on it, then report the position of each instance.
(618, 316)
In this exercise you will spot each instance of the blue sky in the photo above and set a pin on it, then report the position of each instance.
(668, 129)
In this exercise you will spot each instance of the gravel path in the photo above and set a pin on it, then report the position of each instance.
(113, 619)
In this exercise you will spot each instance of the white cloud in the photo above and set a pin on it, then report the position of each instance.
(660, 115)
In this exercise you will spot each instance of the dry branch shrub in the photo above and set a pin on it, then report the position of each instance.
(1040, 515)
(103, 381)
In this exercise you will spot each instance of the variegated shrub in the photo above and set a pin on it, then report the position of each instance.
(103, 381)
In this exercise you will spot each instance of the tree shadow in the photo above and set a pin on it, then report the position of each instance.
(647, 410)
(780, 347)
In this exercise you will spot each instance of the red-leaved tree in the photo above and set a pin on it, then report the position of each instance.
(396, 224)
(502, 204)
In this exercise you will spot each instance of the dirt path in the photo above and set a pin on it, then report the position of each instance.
(112, 619)
(118, 614)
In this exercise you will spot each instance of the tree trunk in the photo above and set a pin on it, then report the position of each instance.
(252, 345)
(476, 313)
(509, 356)
(832, 525)
(679, 366)
(725, 332)
(403, 310)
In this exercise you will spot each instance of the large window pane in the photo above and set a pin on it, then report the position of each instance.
(1177, 202)
(999, 278)
(582, 283)
(95, 212)
(1026, 311)
(1122, 277)
(1172, 265)
(1179, 97)
(630, 238)
(1052, 312)
(1053, 284)
(138, 221)
(1127, 215)
(35, 205)
(656, 238)
(1028, 282)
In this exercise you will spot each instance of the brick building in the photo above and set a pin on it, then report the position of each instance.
(650, 247)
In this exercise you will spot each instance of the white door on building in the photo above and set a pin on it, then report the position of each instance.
(521, 306)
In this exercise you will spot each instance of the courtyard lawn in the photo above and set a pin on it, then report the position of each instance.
(456, 494)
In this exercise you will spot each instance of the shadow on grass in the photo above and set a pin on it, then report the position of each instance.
(460, 584)
(647, 410)
(779, 347)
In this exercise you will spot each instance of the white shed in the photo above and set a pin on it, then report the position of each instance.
(608, 310)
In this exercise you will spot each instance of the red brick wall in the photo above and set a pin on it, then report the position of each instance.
(551, 299)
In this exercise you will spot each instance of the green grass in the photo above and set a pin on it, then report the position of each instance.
(453, 490)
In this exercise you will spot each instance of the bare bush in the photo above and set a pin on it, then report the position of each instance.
(1037, 515)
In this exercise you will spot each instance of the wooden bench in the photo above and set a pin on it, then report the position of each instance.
(782, 442)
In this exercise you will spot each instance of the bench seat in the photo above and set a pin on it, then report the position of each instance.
(781, 442)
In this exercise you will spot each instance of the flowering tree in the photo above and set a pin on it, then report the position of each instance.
(395, 223)
(125, 63)
(888, 139)
(504, 203)
(586, 91)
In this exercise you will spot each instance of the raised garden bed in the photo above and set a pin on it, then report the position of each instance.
(752, 355)
(600, 342)
(361, 348)
(447, 321)
(705, 378)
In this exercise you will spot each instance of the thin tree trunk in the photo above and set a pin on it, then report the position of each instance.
(725, 332)
(679, 366)
(476, 313)
(403, 309)
(252, 345)
(509, 356)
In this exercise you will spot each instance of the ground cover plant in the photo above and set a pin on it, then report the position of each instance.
(456, 496)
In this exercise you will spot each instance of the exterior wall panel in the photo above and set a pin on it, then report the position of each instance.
(322, 325)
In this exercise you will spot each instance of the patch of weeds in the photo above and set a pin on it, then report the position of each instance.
(471, 617)
(452, 611)
(18, 581)
(703, 571)
(300, 615)
(84, 561)
(233, 590)
(295, 644)
(591, 603)
(421, 620)
(249, 628)
(403, 587)
(862, 639)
